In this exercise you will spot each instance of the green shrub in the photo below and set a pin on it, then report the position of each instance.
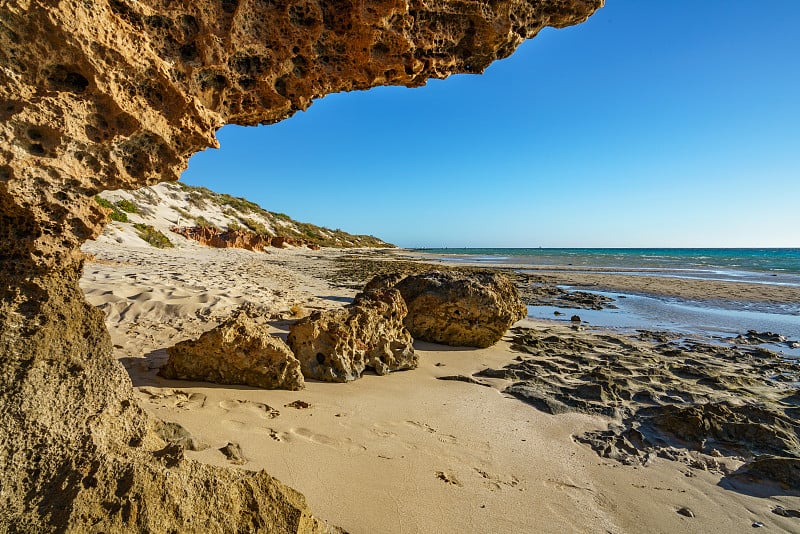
(198, 198)
(202, 221)
(240, 204)
(183, 213)
(127, 205)
(152, 236)
(115, 214)
(119, 216)
(103, 202)
(255, 226)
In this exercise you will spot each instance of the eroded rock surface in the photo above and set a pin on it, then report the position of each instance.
(77, 452)
(457, 308)
(538, 291)
(710, 406)
(339, 345)
(239, 351)
(214, 237)
(113, 94)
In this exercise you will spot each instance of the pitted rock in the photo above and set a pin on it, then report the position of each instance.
(339, 345)
(239, 351)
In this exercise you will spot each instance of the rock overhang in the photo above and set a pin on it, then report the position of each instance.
(118, 94)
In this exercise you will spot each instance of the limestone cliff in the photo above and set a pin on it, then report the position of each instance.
(112, 94)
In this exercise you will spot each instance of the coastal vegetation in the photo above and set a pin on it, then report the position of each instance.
(152, 236)
(127, 206)
(115, 214)
(199, 206)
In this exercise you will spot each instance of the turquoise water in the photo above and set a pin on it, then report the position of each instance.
(764, 260)
(773, 266)
(779, 267)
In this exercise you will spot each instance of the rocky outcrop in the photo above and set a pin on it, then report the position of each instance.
(699, 403)
(239, 351)
(113, 94)
(77, 452)
(339, 345)
(214, 237)
(457, 308)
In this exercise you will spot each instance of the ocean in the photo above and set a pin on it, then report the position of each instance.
(772, 260)
(771, 266)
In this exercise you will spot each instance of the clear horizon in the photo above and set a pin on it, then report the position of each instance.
(648, 126)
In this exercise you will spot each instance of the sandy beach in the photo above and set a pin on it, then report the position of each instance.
(406, 452)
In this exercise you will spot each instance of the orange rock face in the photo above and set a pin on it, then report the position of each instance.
(214, 237)
(113, 94)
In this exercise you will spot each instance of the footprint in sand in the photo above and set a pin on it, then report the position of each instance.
(561, 484)
(277, 436)
(246, 427)
(321, 439)
(421, 426)
(496, 481)
(448, 478)
(382, 433)
(444, 438)
(264, 411)
(174, 398)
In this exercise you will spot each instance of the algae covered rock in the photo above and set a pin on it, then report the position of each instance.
(339, 345)
(459, 309)
(239, 351)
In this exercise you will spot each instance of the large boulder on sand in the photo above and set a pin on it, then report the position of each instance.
(239, 351)
(458, 308)
(338, 345)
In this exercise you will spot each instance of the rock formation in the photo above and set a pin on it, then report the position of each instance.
(214, 237)
(459, 309)
(239, 351)
(337, 346)
(111, 94)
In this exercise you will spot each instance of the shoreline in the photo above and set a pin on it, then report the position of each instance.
(657, 282)
(406, 452)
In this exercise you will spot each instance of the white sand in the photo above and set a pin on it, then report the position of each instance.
(401, 453)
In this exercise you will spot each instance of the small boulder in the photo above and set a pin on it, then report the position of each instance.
(239, 351)
(458, 309)
(337, 346)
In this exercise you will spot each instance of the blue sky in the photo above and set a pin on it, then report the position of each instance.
(652, 124)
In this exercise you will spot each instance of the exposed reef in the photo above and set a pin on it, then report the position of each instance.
(710, 406)
(118, 94)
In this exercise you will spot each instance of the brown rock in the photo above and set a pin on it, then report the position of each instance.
(459, 309)
(746, 429)
(214, 237)
(102, 94)
(783, 470)
(239, 351)
(77, 452)
(337, 346)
